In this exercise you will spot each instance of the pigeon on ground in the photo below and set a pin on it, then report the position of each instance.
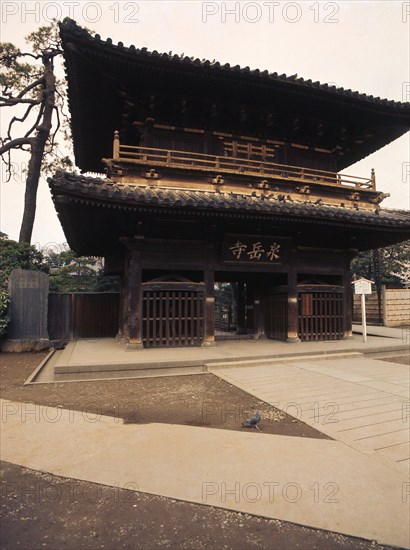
(253, 421)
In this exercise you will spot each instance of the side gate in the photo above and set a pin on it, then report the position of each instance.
(321, 312)
(173, 313)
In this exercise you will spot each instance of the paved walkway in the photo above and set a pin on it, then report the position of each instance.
(320, 483)
(105, 358)
(360, 401)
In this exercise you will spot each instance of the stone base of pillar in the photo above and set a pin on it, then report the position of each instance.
(293, 339)
(132, 347)
(209, 344)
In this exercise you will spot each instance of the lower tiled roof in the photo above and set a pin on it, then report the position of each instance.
(86, 189)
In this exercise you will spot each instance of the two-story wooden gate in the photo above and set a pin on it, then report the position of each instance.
(173, 313)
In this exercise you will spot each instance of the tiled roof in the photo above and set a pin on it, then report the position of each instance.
(256, 204)
(70, 26)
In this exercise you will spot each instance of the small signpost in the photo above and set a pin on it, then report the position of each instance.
(363, 287)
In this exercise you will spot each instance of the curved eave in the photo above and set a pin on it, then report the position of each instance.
(77, 197)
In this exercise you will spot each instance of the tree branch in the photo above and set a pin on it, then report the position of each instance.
(15, 143)
(25, 54)
(40, 114)
(30, 87)
(58, 126)
(12, 101)
(17, 119)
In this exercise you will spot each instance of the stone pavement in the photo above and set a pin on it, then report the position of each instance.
(319, 483)
(104, 358)
(362, 402)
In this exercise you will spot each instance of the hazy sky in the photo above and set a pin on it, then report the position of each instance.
(359, 45)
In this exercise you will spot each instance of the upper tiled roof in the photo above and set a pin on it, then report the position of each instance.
(69, 26)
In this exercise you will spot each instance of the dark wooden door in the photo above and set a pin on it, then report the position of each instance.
(320, 315)
(276, 316)
(173, 317)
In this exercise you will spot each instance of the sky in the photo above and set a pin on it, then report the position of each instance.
(361, 45)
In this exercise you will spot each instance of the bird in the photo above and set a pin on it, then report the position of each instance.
(252, 422)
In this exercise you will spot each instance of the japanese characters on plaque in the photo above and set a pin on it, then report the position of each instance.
(253, 249)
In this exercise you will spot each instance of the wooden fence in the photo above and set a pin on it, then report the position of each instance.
(83, 315)
(394, 308)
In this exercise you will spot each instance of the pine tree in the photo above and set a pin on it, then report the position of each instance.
(36, 99)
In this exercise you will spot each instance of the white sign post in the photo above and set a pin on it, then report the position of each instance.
(363, 287)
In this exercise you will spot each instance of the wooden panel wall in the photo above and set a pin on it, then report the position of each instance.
(93, 315)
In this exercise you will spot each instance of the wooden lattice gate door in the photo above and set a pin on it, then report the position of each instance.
(173, 314)
(276, 316)
(321, 312)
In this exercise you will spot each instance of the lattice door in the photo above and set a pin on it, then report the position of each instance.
(320, 315)
(173, 318)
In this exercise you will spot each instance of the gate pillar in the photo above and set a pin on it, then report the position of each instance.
(348, 301)
(292, 300)
(132, 297)
(209, 332)
(135, 300)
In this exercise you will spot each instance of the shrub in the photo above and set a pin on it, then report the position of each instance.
(4, 321)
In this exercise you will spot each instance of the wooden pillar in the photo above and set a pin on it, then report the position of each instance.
(258, 315)
(135, 299)
(209, 314)
(209, 280)
(348, 301)
(116, 146)
(241, 305)
(122, 310)
(250, 314)
(293, 320)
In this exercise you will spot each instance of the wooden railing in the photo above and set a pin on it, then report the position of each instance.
(223, 164)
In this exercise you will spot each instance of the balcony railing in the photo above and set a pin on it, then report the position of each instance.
(233, 165)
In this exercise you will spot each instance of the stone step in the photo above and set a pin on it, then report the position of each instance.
(283, 359)
(131, 373)
(113, 367)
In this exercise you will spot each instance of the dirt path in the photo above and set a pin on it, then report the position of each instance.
(195, 400)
